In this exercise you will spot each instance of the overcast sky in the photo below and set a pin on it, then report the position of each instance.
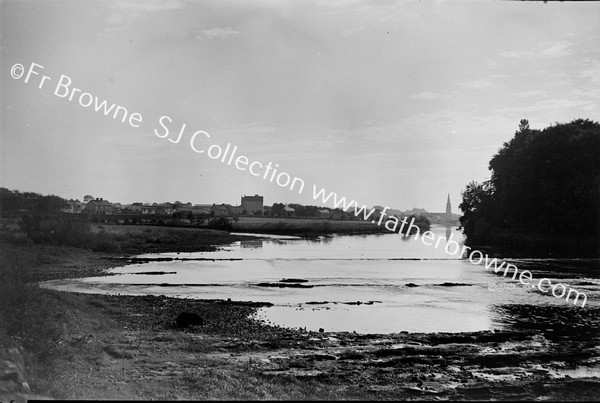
(393, 103)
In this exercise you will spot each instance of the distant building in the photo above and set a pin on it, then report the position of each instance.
(448, 207)
(197, 210)
(98, 207)
(289, 211)
(165, 208)
(149, 209)
(133, 208)
(219, 211)
(252, 204)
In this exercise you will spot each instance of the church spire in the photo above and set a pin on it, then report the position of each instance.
(448, 206)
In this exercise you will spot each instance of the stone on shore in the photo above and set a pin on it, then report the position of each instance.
(188, 319)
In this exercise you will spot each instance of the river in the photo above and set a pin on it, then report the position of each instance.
(369, 284)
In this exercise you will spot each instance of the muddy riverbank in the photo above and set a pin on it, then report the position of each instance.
(130, 348)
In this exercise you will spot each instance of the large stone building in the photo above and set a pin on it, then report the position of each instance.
(252, 204)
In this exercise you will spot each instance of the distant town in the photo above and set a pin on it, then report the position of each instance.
(102, 210)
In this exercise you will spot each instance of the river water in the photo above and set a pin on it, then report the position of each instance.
(369, 284)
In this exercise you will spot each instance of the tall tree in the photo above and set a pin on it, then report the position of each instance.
(545, 181)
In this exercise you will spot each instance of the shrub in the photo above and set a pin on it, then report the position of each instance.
(220, 223)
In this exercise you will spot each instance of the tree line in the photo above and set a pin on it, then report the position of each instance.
(542, 181)
(13, 201)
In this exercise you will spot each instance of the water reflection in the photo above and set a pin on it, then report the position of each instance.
(325, 239)
(251, 244)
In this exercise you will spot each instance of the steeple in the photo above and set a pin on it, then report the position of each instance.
(448, 207)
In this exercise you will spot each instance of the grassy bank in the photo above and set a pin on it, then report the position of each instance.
(38, 320)
(68, 230)
(132, 239)
(305, 226)
(33, 319)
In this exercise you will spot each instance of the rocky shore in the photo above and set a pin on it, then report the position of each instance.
(142, 354)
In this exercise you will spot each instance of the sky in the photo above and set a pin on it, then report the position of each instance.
(391, 103)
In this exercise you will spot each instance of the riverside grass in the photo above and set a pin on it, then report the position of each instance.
(37, 320)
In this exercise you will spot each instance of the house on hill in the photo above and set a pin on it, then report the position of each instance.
(98, 206)
(219, 211)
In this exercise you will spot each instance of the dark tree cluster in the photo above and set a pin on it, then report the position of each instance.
(13, 201)
(543, 181)
(421, 221)
(278, 209)
(220, 223)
